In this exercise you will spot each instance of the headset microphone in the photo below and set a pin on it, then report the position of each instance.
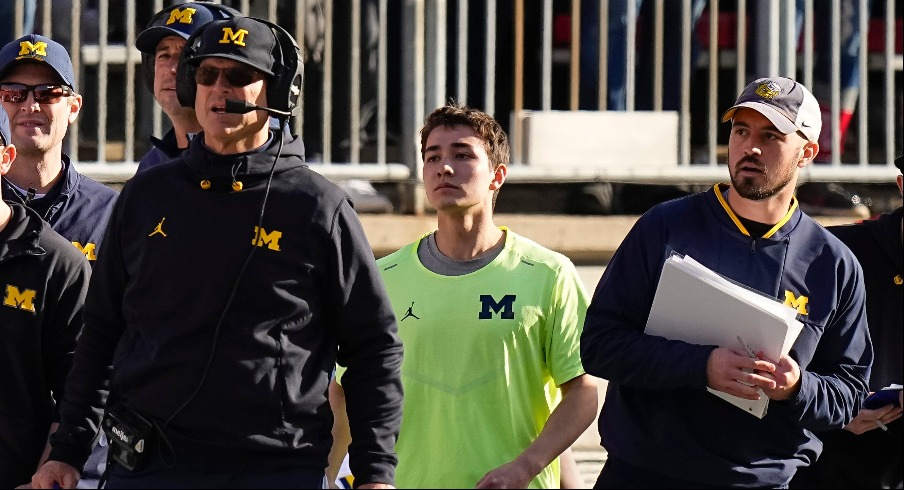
(244, 107)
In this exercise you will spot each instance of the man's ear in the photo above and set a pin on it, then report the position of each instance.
(75, 106)
(810, 150)
(7, 155)
(498, 177)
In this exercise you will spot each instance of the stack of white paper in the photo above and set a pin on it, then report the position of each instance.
(696, 305)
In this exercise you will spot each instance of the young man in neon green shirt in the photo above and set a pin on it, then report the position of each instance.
(491, 324)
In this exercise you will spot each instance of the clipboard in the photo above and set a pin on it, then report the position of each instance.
(696, 305)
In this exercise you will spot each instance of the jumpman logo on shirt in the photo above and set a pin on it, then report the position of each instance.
(410, 313)
(159, 228)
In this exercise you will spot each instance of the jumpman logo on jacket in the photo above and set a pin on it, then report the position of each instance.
(410, 313)
(159, 228)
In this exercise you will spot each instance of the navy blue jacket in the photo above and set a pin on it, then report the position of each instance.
(80, 212)
(43, 283)
(311, 288)
(162, 150)
(657, 415)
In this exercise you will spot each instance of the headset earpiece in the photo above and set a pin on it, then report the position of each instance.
(284, 89)
(186, 89)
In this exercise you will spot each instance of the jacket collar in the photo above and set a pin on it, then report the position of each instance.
(780, 229)
(23, 232)
(168, 144)
(219, 172)
(67, 184)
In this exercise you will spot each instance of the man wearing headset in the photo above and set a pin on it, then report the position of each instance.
(224, 305)
(161, 44)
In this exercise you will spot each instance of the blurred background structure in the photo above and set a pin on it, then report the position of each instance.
(611, 105)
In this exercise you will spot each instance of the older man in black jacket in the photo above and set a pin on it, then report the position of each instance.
(225, 303)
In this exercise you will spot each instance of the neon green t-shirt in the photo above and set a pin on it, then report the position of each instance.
(484, 353)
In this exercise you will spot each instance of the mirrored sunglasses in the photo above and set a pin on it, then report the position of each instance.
(45, 93)
(236, 76)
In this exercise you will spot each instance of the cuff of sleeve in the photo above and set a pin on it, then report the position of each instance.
(69, 457)
(66, 449)
(699, 373)
(798, 401)
(374, 472)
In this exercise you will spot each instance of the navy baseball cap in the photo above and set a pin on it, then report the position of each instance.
(179, 20)
(787, 104)
(243, 39)
(4, 129)
(37, 48)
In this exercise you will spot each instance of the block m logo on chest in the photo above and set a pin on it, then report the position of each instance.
(20, 299)
(504, 307)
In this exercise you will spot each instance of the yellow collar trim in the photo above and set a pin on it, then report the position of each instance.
(734, 218)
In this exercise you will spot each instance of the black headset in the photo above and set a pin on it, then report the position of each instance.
(283, 88)
(147, 60)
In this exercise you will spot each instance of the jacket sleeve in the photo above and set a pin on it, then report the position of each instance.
(370, 349)
(64, 327)
(613, 343)
(86, 388)
(835, 382)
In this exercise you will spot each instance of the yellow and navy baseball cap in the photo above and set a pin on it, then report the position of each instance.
(180, 20)
(243, 39)
(37, 48)
(4, 129)
(787, 104)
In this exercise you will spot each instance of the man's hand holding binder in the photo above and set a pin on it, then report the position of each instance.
(737, 373)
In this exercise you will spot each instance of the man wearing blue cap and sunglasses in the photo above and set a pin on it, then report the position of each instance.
(38, 92)
(43, 282)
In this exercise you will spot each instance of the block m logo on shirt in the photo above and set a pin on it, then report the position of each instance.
(798, 303)
(270, 240)
(504, 307)
(89, 249)
(19, 299)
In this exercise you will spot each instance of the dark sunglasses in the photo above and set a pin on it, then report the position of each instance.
(45, 93)
(237, 77)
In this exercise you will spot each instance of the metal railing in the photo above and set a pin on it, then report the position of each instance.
(375, 68)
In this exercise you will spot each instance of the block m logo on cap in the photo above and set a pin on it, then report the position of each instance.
(234, 37)
(37, 49)
(182, 16)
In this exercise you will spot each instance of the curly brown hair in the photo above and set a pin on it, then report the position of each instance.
(485, 127)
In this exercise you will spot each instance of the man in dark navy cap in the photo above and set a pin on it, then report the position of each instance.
(224, 303)
(161, 44)
(38, 91)
(43, 281)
